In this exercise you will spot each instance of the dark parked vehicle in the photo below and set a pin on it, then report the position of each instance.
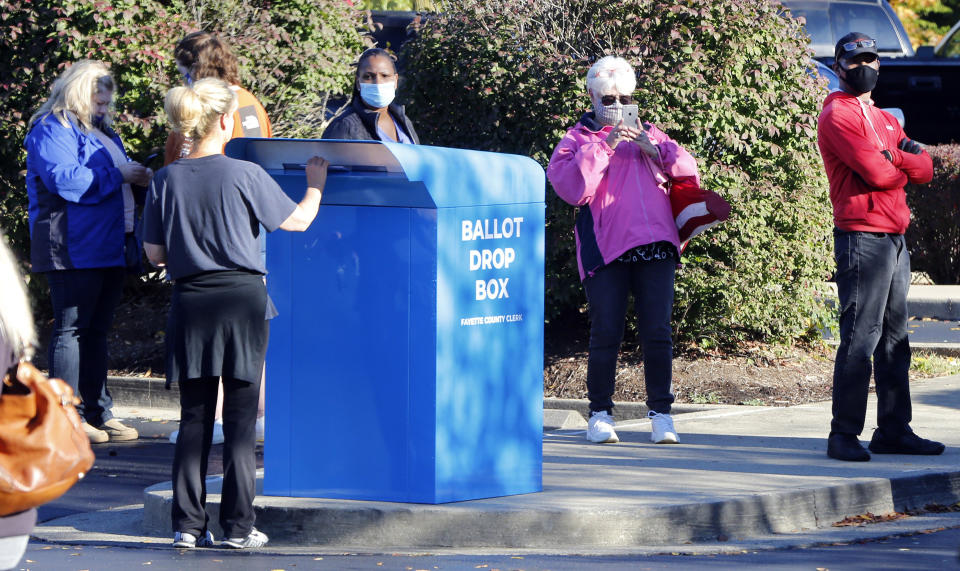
(828, 20)
(925, 84)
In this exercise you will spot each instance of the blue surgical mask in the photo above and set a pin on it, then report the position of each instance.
(378, 95)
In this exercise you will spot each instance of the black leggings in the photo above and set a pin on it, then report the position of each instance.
(198, 403)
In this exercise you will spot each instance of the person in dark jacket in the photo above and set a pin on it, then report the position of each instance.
(82, 217)
(868, 159)
(372, 115)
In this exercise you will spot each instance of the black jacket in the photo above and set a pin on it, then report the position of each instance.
(358, 123)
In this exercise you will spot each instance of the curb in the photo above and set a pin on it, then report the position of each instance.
(942, 349)
(148, 392)
(940, 302)
(151, 392)
(500, 523)
(622, 410)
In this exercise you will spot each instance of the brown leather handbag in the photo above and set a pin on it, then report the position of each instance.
(43, 448)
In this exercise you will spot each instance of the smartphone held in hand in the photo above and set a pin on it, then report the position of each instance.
(630, 116)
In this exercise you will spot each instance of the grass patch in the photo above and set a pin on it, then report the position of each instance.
(933, 365)
(709, 398)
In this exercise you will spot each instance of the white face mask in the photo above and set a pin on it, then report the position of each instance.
(378, 95)
(608, 114)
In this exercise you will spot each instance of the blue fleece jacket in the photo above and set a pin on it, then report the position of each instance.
(76, 198)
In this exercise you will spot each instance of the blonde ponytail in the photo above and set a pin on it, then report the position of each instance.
(193, 110)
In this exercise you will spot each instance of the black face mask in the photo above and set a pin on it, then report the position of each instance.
(861, 79)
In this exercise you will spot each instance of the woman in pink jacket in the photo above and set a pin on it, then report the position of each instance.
(626, 240)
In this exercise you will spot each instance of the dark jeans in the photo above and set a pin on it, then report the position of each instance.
(198, 403)
(651, 283)
(873, 276)
(83, 305)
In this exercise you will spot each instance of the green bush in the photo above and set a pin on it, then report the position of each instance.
(727, 80)
(294, 55)
(933, 235)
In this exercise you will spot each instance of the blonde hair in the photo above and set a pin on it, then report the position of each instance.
(16, 320)
(73, 92)
(193, 110)
(611, 71)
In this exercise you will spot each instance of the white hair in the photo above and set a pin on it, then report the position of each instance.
(611, 71)
(17, 336)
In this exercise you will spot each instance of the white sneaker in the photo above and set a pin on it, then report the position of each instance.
(184, 540)
(255, 538)
(662, 430)
(217, 433)
(600, 428)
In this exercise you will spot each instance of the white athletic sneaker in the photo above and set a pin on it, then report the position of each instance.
(600, 428)
(662, 430)
(217, 433)
(255, 538)
(184, 540)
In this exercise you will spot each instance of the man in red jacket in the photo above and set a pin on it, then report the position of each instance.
(869, 159)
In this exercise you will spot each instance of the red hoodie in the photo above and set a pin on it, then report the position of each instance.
(866, 189)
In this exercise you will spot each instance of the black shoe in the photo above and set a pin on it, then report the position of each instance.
(846, 447)
(908, 443)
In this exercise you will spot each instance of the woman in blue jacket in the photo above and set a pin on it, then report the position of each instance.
(81, 215)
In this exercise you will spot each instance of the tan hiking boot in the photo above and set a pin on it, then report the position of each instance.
(95, 435)
(118, 431)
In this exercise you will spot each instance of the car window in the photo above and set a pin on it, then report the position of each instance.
(817, 24)
(951, 48)
(867, 19)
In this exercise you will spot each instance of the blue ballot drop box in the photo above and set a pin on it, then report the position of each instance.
(407, 360)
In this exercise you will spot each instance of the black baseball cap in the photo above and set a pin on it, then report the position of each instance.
(854, 44)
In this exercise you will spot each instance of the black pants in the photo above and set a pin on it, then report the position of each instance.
(873, 276)
(198, 403)
(651, 283)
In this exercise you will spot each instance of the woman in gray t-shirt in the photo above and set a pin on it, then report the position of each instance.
(201, 221)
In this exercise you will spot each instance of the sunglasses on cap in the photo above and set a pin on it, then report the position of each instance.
(608, 100)
(864, 43)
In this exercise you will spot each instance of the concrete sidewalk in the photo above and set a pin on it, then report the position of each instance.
(742, 477)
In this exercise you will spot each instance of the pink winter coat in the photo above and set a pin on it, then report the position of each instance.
(623, 204)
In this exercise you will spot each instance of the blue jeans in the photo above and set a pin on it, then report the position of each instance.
(83, 305)
(873, 276)
(651, 283)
